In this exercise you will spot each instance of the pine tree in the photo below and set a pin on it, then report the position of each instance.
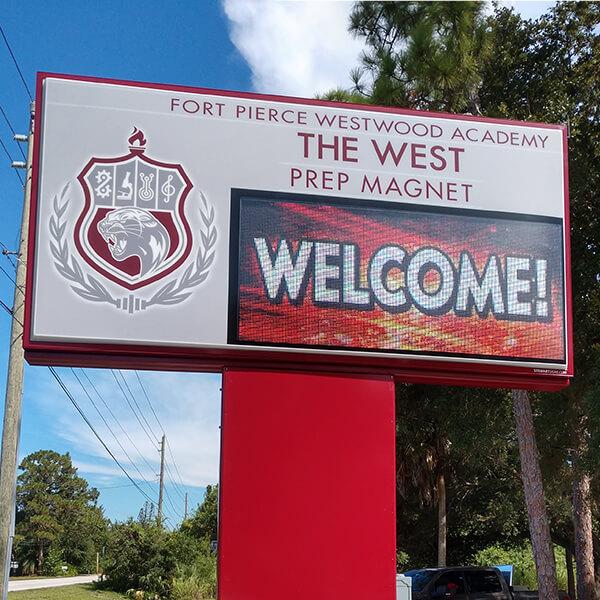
(431, 56)
(50, 498)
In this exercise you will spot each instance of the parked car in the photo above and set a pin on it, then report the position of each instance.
(465, 583)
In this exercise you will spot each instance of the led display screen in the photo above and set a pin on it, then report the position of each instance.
(340, 274)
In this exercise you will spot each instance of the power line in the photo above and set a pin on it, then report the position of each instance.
(175, 485)
(138, 406)
(162, 429)
(148, 400)
(113, 487)
(175, 511)
(132, 409)
(16, 63)
(80, 411)
(2, 304)
(12, 131)
(175, 464)
(6, 308)
(11, 160)
(12, 279)
(8, 254)
(117, 420)
(168, 470)
(10, 312)
(9, 276)
(109, 428)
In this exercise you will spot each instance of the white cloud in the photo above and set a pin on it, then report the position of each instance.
(297, 48)
(302, 47)
(105, 473)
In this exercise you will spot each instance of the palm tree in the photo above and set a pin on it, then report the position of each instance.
(422, 454)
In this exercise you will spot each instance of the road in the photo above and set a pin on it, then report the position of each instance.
(17, 585)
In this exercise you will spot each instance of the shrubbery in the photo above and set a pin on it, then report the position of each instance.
(52, 564)
(141, 559)
(524, 565)
(161, 564)
(149, 563)
(196, 581)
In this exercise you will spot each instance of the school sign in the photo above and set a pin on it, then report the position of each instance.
(194, 229)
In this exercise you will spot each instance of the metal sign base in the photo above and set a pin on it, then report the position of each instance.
(307, 504)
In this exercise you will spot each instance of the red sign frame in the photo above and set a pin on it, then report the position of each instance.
(425, 369)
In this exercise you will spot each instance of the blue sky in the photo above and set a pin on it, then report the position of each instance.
(268, 46)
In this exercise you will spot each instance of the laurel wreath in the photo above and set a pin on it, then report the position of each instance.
(174, 291)
(88, 287)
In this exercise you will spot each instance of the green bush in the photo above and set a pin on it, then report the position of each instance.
(561, 567)
(52, 563)
(524, 565)
(150, 563)
(141, 558)
(402, 561)
(197, 581)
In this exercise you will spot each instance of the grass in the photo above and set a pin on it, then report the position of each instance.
(84, 591)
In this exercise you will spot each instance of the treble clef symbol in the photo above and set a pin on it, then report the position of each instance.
(167, 189)
(146, 193)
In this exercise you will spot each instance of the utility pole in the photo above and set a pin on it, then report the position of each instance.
(162, 479)
(14, 390)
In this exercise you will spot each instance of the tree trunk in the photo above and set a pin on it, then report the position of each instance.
(543, 552)
(40, 558)
(570, 574)
(442, 522)
(584, 551)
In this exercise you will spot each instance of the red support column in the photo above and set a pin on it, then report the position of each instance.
(307, 489)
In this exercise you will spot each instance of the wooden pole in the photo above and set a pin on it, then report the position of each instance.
(14, 391)
(162, 479)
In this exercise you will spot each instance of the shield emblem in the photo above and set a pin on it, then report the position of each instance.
(133, 228)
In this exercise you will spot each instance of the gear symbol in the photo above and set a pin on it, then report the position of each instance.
(103, 176)
(103, 188)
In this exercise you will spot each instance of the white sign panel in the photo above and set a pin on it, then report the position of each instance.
(189, 221)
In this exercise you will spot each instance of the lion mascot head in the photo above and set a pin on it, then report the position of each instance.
(132, 231)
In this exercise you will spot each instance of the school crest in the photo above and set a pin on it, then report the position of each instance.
(133, 231)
